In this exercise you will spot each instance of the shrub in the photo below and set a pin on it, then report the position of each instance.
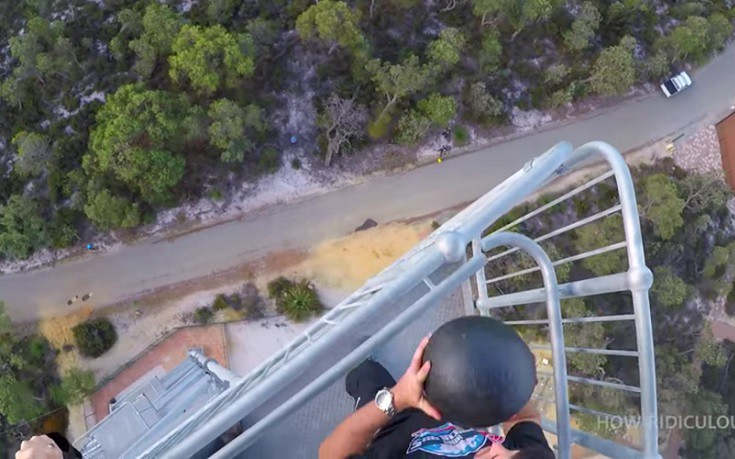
(299, 302)
(250, 301)
(269, 160)
(581, 206)
(296, 163)
(95, 337)
(215, 194)
(37, 348)
(481, 105)
(234, 301)
(411, 127)
(296, 300)
(278, 286)
(461, 136)
(379, 128)
(203, 315)
(220, 303)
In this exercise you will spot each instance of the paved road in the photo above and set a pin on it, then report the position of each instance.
(148, 265)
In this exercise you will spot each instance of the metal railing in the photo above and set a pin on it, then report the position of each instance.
(459, 244)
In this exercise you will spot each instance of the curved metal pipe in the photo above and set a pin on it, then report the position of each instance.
(556, 332)
(640, 279)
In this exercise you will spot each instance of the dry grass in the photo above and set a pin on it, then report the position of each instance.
(58, 331)
(346, 263)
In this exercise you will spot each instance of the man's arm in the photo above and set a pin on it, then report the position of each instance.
(354, 434)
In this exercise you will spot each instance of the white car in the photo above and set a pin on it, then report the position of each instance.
(676, 84)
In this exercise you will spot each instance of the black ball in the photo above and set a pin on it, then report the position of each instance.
(482, 372)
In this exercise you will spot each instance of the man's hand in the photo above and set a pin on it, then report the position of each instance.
(409, 391)
(38, 447)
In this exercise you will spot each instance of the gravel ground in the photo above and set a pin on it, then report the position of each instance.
(700, 152)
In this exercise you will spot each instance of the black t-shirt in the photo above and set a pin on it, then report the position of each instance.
(414, 435)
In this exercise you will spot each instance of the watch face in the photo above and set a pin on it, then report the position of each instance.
(383, 399)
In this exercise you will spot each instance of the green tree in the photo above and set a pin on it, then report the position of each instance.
(17, 402)
(516, 13)
(561, 97)
(34, 153)
(411, 127)
(657, 65)
(75, 385)
(395, 81)
(700, 442)
(438, 109)
(662, 206)
(264, 33)
(109, 212)
(10, 359)
(131, 26)
(583, 335)
(446, 51)
(333, 22)
(688, 40)
(556, 73)
(719, 258)
(704, 192)
(403, 4)
(221, 11)
(678, 380)
(41, 52)
(481, 105)
(22, 229)
(583, 28)
(719, 29)
(601, 234)
(210, 57)
(137, 134)
(160, 26)
(613, 72)
(6, 325)
(434, 110)
(670, 290)
(718, 270)
(491, 51)
(709, 350)
(227, 131)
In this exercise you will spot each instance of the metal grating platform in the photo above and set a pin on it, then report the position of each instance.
(308, 426)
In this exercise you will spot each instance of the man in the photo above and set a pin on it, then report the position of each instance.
(408, 426)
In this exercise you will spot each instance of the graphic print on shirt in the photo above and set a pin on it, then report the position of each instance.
(447, 440)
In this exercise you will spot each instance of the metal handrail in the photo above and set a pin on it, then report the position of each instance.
(448, 246)
(355, 357)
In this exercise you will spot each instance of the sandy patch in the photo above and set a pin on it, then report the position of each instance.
(345, 264)
(142, 324)
(251, 343)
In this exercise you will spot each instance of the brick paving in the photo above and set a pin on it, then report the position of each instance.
(168, 353)
(723, 331)
(699, 152)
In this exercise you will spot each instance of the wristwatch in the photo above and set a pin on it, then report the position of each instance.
(384, 400)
